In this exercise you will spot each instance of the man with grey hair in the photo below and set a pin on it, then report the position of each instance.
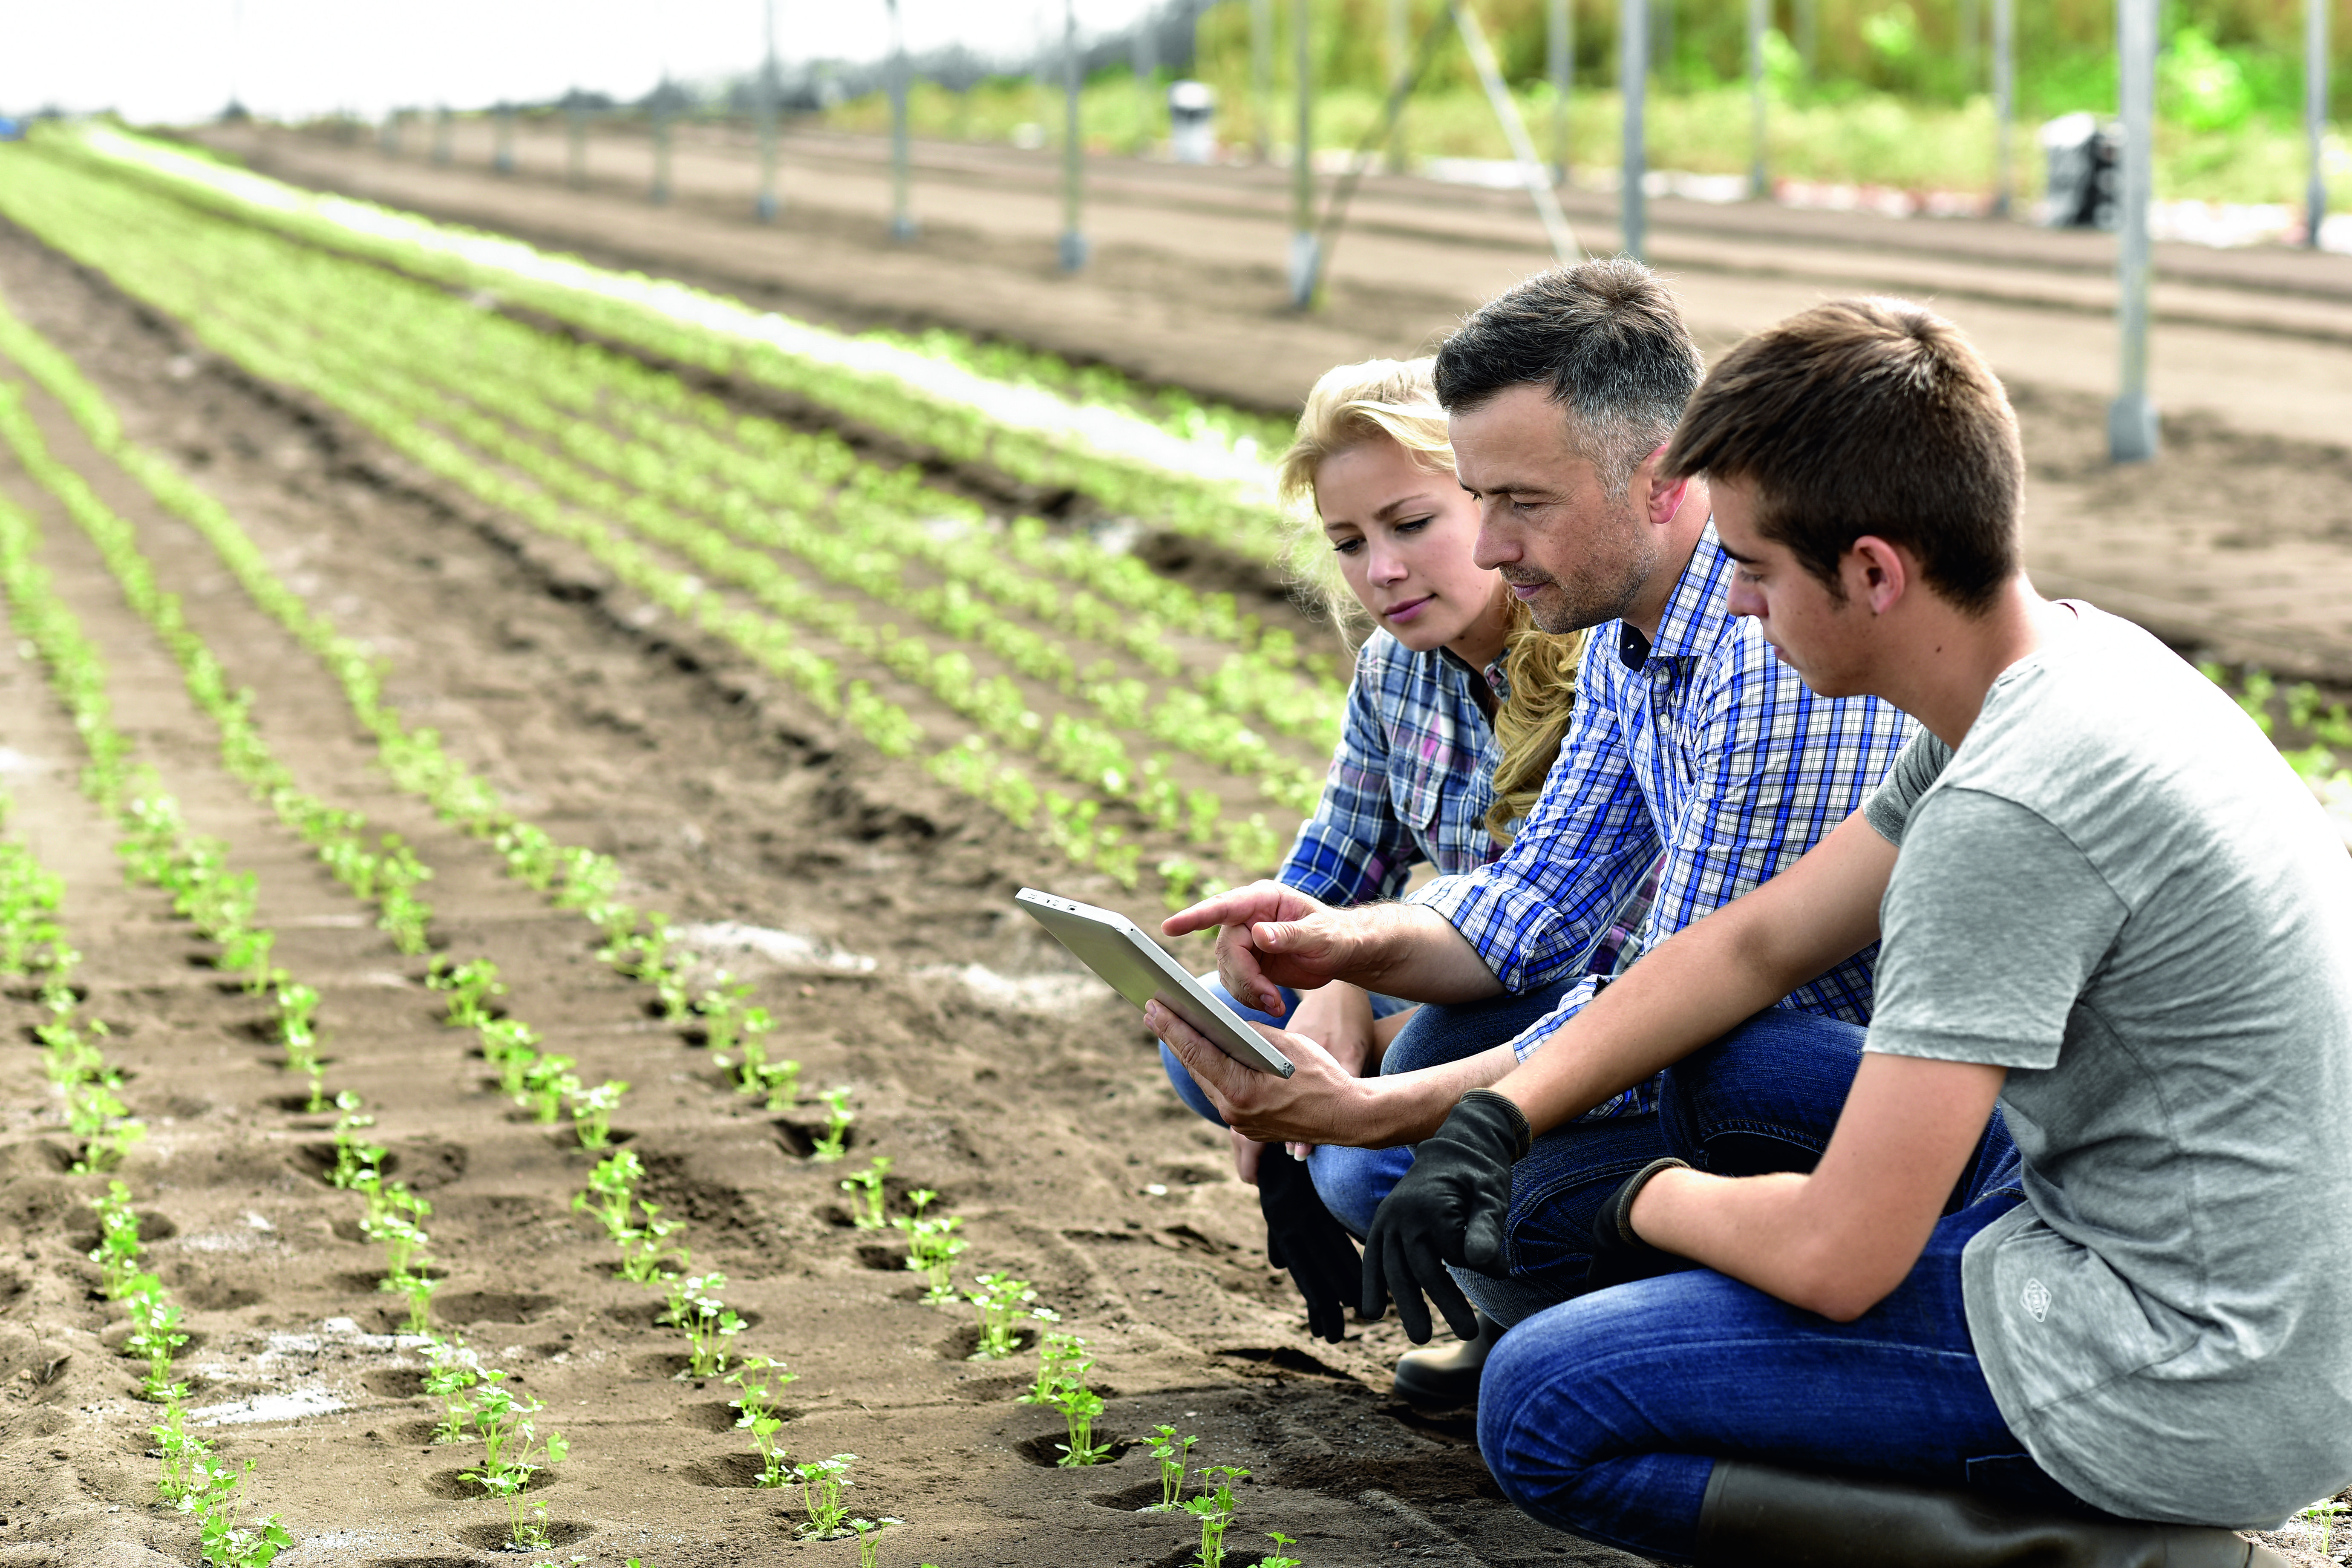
(1692, 752)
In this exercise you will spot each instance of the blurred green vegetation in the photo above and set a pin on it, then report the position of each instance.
(1895, 93)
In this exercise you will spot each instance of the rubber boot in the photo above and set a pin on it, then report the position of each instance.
(1760, 1516)
(1445, 1377)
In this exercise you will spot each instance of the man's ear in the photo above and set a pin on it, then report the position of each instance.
(1876, 574)
(1660, 499)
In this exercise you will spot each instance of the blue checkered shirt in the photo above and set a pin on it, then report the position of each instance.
(1699, 744)
(1402, 784)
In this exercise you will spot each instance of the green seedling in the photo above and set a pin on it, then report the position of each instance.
(611, 1194)
(298, 1032)
(757, 1378)
(470, 986)
(392, 1222)
(187, 1459)
(710, 1324)
(675, 995)
(642, 1258)
(69, 1058)
(227, 1544)
(838, 1118)
(822, 1483)
(1215, 1509)
(1281, 1544)
(932, 1245)
(454, 1372)
(591, 1110)
(96, 1115)
(248, 952)
(1062, 1367)
(2325, 1515)
(510, 1439)
(530, 855)
(779, 1081)
(510, 1046)
(866, 1197)
(116, 1252)
(154, 1335)
(354, 1160)
(869, 1539)
(1174, 1454)
(997, 1300)
(545, 1083)
(723, 1007)
(419, 1287)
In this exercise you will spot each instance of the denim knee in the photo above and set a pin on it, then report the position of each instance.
(1765, 1097)
(1447, 1032)
(1180, 1080)
(1352, 1182)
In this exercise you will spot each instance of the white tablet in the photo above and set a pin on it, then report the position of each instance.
(1138, 968)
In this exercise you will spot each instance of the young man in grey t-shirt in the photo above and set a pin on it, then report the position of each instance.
(2106, 905)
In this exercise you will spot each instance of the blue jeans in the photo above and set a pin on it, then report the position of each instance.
(1350, 1182)
(1605, 1415)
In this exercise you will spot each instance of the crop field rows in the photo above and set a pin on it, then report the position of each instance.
(497, 1050)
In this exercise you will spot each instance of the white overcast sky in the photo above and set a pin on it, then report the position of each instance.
(178, 59)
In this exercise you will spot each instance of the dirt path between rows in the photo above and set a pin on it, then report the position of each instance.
(982, 1064)
(2238, 541)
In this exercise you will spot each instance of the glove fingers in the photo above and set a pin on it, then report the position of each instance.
(1274, 1256)
(1429, 1272)
(1482, 1243)
(1374, 1303)
(1404, 1285)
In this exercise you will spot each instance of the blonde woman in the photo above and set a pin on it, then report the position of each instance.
(1454, 719)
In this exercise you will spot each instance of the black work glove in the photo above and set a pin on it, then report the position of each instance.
(1450, 1208)
(1619, 1257)
(1302, 1237)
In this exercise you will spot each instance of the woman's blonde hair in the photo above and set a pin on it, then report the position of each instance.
(1397, 399)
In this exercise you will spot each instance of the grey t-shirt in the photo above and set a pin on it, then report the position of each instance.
(2117, 889)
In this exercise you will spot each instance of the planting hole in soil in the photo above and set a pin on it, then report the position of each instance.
(493, 1537)
(720, 1417)
(641, 1315)
(394, 1382)
(799, 1138)
(453, 1485)
(961, 1344)
(1043, 1450)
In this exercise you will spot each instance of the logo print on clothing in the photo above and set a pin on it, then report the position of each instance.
(2037, 1299)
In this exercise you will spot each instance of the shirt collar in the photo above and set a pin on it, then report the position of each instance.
(1693, 620)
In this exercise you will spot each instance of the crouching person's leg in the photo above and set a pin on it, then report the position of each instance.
(1180, 1077)
(1767, 1096)
(1694, 1419)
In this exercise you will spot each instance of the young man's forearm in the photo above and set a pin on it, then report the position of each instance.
(1705, 979)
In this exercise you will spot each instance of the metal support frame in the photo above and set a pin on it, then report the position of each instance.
(1560, 66)
(1261, 17)
(1399, 62)
(1632, 83)
(2131, 417)
(1074, 175)
(660, 194)
(903, 226)
(2004, 104)
(1532, 173)
(443, 130)
(1809, 35)
(1759, 182)
(763, 205)
(576, 129)
(1306, 246)
(2314, 115)
(1335, 217)
(502, 158)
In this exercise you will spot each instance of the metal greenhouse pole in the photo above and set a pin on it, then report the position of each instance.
(1074, 238)
(1559, 64)
(502, 148)
(1261, 17)
(1399, 60)
(2314, 114)
(2131, 418)
(902, 223)
(1306, 263)
(1532, 173)
(764, 209)
(1759, 185)
(1632, 79)
(2004, 104)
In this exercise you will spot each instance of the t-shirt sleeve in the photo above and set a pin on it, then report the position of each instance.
(1992, 926)
(1917, 767)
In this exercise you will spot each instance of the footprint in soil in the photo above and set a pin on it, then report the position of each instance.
(669, 1364)
(1045, 1451)
(721, 1418)
(961, 1344)
(642, 1316)
(493, 1537)
(394, 1382)
(799, 1138)
(152, 1228)
(453, 1485)
(736, 1470)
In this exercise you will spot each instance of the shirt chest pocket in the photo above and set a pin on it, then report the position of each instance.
(1418, 800)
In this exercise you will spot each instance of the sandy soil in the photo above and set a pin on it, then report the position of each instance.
(982, 1064)
(2238, 539)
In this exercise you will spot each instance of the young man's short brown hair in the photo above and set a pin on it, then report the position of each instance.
(1866, 416)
